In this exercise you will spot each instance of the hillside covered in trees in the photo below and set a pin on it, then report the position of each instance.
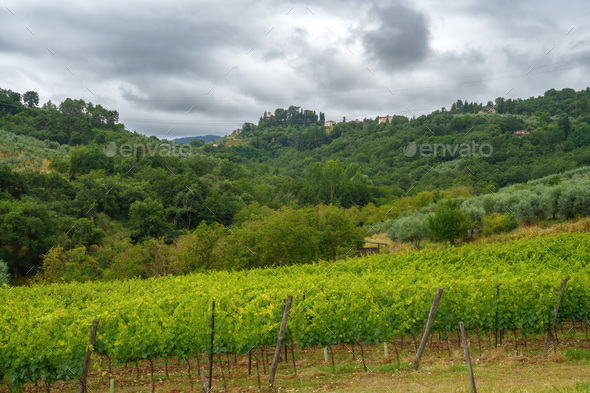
(76, 204)
(559, 137)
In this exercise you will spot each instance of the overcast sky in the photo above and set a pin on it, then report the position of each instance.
(206, 67)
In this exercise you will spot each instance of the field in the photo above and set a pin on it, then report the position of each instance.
(513, 287)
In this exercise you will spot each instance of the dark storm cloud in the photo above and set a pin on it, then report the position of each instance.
(274, 54)
(400, 38)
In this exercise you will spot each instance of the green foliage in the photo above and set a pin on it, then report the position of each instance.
(285, 238)
(498, 222)
(578, 354)
(84, 233)
(53, 266)
(126, 262)
(201, 249)
(85, 159)
(74, 121)
(10, 102)
(31, 98)
(253, 211)
(20, 151)
(74, 265)
(411, 228)
(147, 218)
(574, 199)
(338, 231)
(554, 180)
(333, 183)
(59, 165)
(449, 222)
(222, 208)
(292, 236)
(553, 145)
(27, 230)
(197, 142)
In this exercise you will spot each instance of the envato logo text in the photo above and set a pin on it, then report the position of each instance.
(440, 150)
(127, 150)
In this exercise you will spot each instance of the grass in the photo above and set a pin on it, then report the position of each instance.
(457, 368)
(577, 354)
(580, 387)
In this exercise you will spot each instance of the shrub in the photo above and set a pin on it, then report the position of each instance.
(449, 222)
(498, 222)
(411, 228)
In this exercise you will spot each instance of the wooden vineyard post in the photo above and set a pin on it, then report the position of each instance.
(332, 356)
(257, 373)
(468, 357)
(497, 301)
(286, 352)
(204, 379)
(212, 338)
(275, 361)
(221, 368)
(262, 350)
(363, 355)
(293, 356)
(250, 362)
(189, 372)
(396, 353)
(433, 308)
(153, 380)
(555, 312)
(82, 383)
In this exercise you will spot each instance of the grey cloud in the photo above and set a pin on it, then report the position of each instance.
(400, 39)
(328, 68)
(273, 54)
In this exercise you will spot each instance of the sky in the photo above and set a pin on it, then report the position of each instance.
(187, 68)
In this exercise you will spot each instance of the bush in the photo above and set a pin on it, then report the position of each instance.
(200, 250)
(449, 222)
(532, 207)
(411, 228)
(147, 219)
(498, 222)
(73, 265)
(574, 200)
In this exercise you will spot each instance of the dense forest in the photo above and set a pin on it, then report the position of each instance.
(73, 206)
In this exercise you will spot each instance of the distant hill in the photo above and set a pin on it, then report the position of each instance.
(205, 138)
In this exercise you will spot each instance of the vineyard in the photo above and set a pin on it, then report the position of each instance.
(513, 286)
